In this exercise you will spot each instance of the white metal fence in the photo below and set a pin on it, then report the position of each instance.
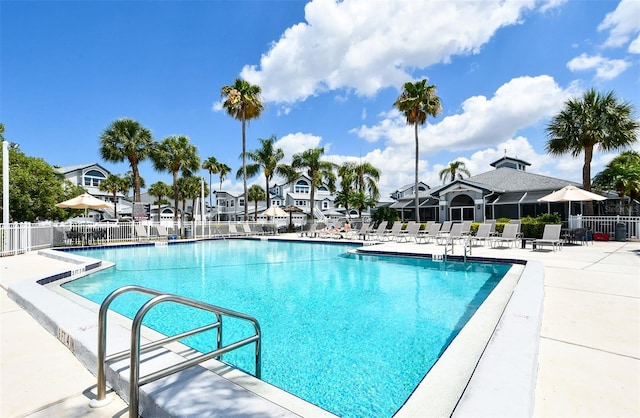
(609, 225)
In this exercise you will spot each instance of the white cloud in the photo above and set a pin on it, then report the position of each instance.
(622, 25)
(350, 44)
(520, 103)
(298, 142)
(606, 69)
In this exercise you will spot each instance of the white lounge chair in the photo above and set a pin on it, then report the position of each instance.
(378, 232)
(409, 233)
(141, 232)
(550, 236)
(430, 234)
(454, 234)
(483, 235)
(509, 236)
(392, 233)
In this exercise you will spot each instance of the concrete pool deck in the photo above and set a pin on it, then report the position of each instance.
(589, 346)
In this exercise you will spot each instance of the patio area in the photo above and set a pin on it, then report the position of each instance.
(589, 347)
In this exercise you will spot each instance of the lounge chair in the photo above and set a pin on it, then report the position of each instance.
(491, 222)
(509, 236)
(454, 234)
(377, 233)
(162, 231)
(141, 232)
(445, 228)
(393, 233)
(409, 233)
(357, 233)
(233, 231)
(430, 234)
(550, 236)
(483, 235)
(247, 229)
(466, 228)
(311, 232)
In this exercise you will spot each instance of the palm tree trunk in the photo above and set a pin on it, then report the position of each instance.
(115, 206)
(312, 200)
(210, 191)
(136, 180)
(417, 200)
(268, 200)
(244, 167)
(586, 176)
(175, 196)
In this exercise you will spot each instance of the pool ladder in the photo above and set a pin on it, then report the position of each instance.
(135, 381)
(467, 243)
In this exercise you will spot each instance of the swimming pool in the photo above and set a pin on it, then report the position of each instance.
(352, 334)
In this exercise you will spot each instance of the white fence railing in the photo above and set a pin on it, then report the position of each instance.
(608, 224)
(17, 238)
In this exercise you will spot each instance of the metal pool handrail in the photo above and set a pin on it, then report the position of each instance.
(134, 352)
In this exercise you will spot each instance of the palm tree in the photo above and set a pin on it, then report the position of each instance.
(255, 194)
(189, 188)
(347, 174)
(114, 184)
(622, 174)
(242, 102)
(128, 176)
(175, 154)
(266, 159)
(455, 169)
(212, 165)
(416, 102)
(318, 171)
(160, 189)
(595, 119)
(127, 139)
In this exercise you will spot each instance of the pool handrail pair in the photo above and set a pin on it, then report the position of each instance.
(135, 348)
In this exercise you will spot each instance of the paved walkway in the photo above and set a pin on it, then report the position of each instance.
(589, 359)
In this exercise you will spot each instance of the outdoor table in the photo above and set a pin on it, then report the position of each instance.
(531, 240)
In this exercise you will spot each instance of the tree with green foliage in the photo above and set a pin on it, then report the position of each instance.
(385, 213)
(160, 189)
(126, 139)
(622, 174)
(212, 165)
(417, 101)
(242, 102)
(115, 184)
(595, 119)
(256, 194)
(34, 189)
(175, 154)
(189, 188)
(318, 170)
(454, 170)
(266, 158)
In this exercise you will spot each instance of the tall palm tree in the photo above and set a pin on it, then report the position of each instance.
(128, 176)
(593, 120)
(212, 165)
(456, 169)
(319, 171)
(622, 174)
(175, 154)
(267, 159)
(255, 194)
(160, 189)
(347, 173)
(417, 101)
(367, 176)
(126, 139)
(242, 102)
(223, 170)
(114, 184)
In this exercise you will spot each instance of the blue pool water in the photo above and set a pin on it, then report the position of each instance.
(351, 334)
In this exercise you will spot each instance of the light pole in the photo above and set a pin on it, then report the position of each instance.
(5, 183)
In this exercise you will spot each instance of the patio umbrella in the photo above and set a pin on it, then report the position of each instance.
(291, 210)
(84, 201)
(571, 194)
(274, 211)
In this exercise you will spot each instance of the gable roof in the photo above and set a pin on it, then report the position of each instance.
(71, 168)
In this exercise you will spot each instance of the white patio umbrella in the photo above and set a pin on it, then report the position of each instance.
(84, 201)
(571, 194)
(274, 211)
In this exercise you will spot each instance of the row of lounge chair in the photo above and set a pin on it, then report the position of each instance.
(445, 233)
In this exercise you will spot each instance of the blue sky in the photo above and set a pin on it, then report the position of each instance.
(330, 72)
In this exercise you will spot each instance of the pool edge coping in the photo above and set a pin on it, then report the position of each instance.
(478, 372)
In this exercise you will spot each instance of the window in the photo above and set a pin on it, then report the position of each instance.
(302, 187)
(241, 202)
(93, 178)
(325, 205)
(301, 203)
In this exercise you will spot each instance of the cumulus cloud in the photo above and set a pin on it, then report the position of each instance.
(606, 69)
(349, 44)
(298, 142)
(623, 27)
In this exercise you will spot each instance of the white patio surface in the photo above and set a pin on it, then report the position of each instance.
(589, 354)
